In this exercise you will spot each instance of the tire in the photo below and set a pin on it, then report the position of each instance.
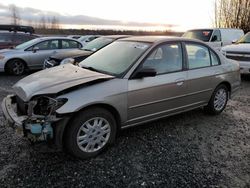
(218, 101)
(90, 132)
(15, 67)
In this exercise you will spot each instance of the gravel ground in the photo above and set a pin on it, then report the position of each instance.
(187, 150)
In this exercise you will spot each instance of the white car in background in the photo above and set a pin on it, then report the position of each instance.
(217, 37)
(240, 51)
(87, 38)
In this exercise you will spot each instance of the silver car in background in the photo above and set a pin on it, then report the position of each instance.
(129, 82)
(31, 55)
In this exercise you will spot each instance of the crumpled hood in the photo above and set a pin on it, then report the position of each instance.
(54, 80)
(244, 47)
(71, 54)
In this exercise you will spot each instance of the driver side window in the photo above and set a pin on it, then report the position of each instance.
(165, 59)
(216, 36)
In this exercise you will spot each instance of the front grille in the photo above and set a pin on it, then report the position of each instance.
(238, 56)
(21, 106)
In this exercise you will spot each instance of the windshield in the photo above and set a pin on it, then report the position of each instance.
(83, 38)
(203, 35)
(26, 44)
(245, 39)
(97, 44)
(115, 58)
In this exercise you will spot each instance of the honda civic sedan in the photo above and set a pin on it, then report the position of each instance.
(129, 82)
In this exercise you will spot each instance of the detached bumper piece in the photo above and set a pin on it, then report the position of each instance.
(36, 129)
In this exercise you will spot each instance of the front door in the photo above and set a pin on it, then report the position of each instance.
(39, 52)
(153, 97)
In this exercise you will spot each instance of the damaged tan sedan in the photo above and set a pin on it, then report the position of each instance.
(131, 81)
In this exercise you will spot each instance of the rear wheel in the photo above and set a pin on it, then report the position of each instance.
(218, 100)
(90, 133)
(15, 67)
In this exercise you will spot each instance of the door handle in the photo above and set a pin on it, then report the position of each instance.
(179, 82)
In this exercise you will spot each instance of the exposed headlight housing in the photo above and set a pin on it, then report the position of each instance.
(46, 106)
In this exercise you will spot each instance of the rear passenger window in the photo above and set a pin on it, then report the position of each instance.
(165, 59)
(69, 44)
(198, 56)
(214, 58)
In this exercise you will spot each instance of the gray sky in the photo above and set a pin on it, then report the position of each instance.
(131, 14)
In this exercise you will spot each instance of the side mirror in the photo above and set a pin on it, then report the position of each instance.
(35, 49)
(214, 38)
(145, 72)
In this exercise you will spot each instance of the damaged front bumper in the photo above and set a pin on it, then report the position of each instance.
(35, 128)
(10, 113)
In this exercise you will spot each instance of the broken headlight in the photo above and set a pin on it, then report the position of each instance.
(47, 106)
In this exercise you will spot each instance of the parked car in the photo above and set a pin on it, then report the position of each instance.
(77, 55)
(216, 37)
(31, 55)
(74, 36)
(240, 51)
(11, 36)
(129, 82)
(87, 38)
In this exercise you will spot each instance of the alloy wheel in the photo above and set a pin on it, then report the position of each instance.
(93, 134)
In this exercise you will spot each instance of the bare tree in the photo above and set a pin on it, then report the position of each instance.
(15, 16)
(55, 23)
(43, 23)
(232, 14)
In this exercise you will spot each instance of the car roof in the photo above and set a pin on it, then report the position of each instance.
(19, 33)
(215, 28)
(49, 38)
(115, 36)
(156, 39)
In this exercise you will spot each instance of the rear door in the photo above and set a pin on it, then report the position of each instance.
(153, 97)
(203, 74)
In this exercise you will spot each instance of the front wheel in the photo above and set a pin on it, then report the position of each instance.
(218, 100)
(15, 67)
(90, 132)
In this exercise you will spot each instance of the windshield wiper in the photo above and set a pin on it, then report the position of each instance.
(91, 68)
(87, 49)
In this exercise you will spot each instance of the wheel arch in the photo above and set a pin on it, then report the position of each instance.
(61, 130)
(108, 107)
(227, 84)
(18, 58)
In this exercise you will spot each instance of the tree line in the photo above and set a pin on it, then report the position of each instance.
(44, 22)
(232, 14)
(227, 14)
